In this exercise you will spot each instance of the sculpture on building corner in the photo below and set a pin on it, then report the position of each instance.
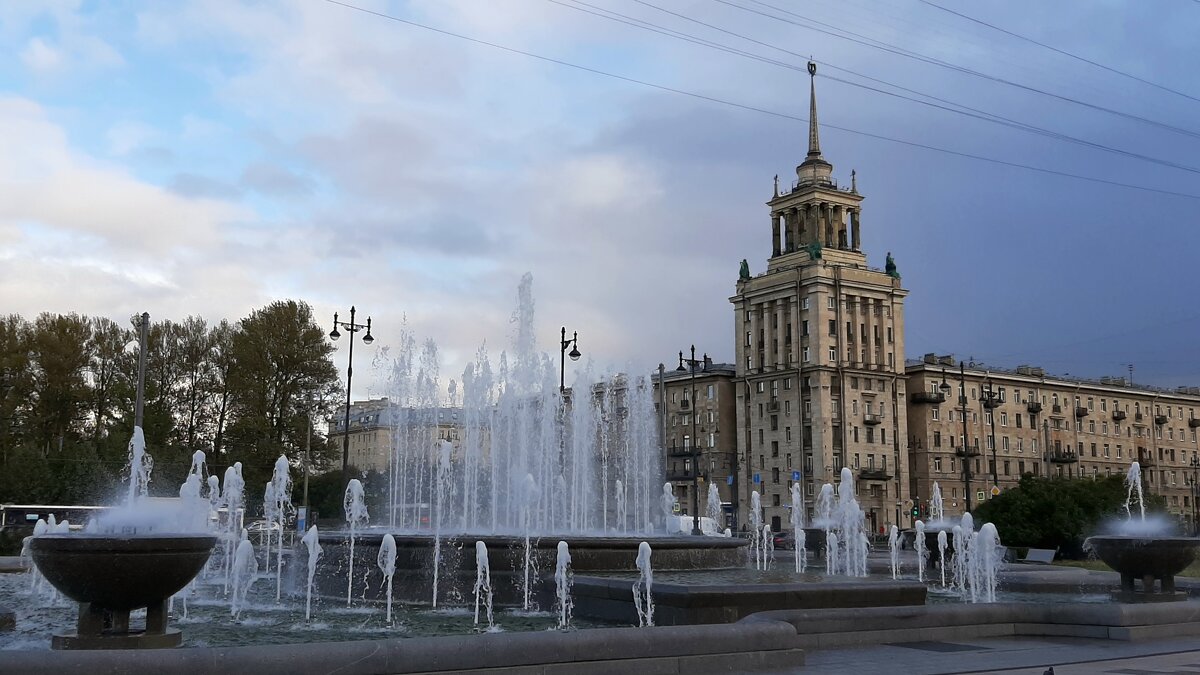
(744, 272)
(776, 185)
(890, 267)
(814, 250)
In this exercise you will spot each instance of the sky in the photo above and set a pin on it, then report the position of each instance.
(208, 157)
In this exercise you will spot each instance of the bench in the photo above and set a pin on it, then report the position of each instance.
(1044, 556)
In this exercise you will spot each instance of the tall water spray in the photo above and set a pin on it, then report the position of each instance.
(922, 553)
(441, 516)
(1133, 487)
(515, 422)
(387, 564)
(643, 600)
(937, 505)
(233, 496)
(798, 517)
(281, 482)
(354, 504)
(245, 567)
(756, 519)
(894, 551)
(713, 507)
(666, 502)
(531, 495)
(562, 585)
(483, 584)
(140, 466)
(941, 542)
(311, 542)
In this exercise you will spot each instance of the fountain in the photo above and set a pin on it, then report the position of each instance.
(643, 600)
(713, 510)
(941, 545)
(355, 505)
(922, 550)
(756, 518)
(311, 541)
(245, 569)
(387, 565)
(281, 484)
(894, 550)
(130, 558)
(1142, 549)
(562, 585)
(798, 514)
(483, 584)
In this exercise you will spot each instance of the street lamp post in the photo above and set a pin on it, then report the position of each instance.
(1194, 465)
(352, 328)
(573, 343)
(966, 448)
(139, 404)
(695, 455)
(989, 404)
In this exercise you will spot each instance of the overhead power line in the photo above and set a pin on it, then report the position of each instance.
(857, 38)
(957, 108)
(1060, 51)
(743, 106)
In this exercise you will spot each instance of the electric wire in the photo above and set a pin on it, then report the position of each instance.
(1059, 51)
(900, 51)
(752, 108)
(957, 108)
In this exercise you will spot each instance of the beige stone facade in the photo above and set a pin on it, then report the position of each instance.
(1043, 425)
(372, 426)
(820, 356)
(702, 421)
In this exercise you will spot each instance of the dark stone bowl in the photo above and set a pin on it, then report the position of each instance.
(120, 572)
(1141, 556)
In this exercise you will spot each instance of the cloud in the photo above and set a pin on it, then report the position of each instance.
(275, 180)
(40, 56)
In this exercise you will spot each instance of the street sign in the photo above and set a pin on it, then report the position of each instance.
(676, 508)
(995, 490)
(757, 479)
(979, 495)
(301, 518)
(729, 480)
(795, 475)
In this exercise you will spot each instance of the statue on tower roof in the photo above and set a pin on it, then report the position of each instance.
(814, 250)
(890, 267)
(744, 271)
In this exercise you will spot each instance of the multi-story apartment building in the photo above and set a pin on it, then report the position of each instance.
(820, 354)
(698, 415)
(1023, 421)
(373, 423)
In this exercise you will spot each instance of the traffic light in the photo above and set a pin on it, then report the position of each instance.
(916, 511)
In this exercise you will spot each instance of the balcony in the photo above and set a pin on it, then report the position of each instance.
(1194, 422)
(1063, 457)
(1056, 409)
(1033, 407)
(1119, 415)
(928, 397)
(872, 420)
(969, 452)
(1160, 419)
(873, 474)
(679, 475)
(679, 451)
(1138, 417)
(684, 404)
(1145, 458)
(1081, 411)
(990, 402)
(773, 406)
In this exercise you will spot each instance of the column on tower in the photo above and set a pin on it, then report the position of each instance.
(811, 229)
(853, 315)
(839, 225)
(789, 219)
(869, 313)
(780, 334)
(752, 348)
(774, 233)
(854, 231)
(827, 218)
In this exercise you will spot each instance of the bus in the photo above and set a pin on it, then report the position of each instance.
(19, 519)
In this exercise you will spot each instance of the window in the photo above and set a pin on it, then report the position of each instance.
(937, 439)
(775, 478)
(1003, 418)
(870, 434)
(804, 305)
(748, 339)
(804, 325)
(787, 383)
(937, 464)
(775, 452)
(1004, 442)
(890, 340)
(712, 392)
(787, 436)
(832, 354)
(832, 304)
(803, 356)
(787, 408)
(935, 412)
(1018, 420)
(832, 327)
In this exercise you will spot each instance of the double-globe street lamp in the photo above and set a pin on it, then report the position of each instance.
(352, 328)
(686, 365)
(965, 451)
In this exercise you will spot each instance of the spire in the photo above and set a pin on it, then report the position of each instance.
(814, 140)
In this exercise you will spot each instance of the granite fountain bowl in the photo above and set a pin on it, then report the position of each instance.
(120, 572)
(1146, 558)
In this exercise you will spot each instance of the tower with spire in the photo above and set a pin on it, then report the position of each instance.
(820, 353)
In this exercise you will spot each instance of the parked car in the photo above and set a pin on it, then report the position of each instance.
(785, 540)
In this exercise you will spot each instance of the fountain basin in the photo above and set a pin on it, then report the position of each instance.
(1145, 558)
(110, 575)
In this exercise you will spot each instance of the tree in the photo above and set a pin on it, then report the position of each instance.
(281, 363)
(109, 361)
(16, 382)
(59, 347)
(1057, 512)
